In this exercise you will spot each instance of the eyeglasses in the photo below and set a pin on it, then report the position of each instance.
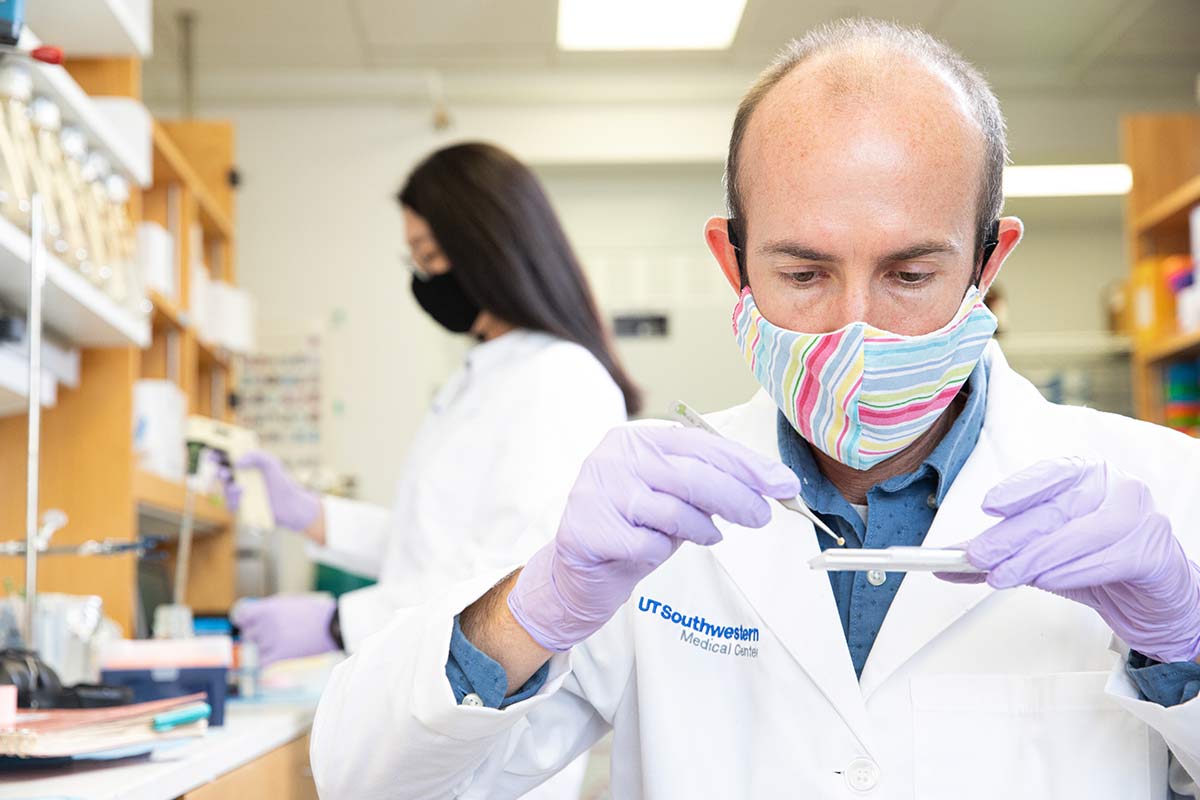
(410, 263)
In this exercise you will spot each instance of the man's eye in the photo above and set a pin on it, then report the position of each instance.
(912, 278)
(803, 278)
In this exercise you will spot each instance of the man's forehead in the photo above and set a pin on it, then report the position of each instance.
(827, 131)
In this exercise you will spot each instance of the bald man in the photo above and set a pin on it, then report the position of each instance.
(673, 602)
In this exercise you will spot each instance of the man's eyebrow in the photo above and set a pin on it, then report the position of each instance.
(920, 250)
(796, 250)
(803, 252)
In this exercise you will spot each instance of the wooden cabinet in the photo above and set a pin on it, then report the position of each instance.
(1163, 151)
(282, 774)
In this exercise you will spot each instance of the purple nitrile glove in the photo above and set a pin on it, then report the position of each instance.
(292, 505)
(1088, 532)
(639, 495)
(286, 625)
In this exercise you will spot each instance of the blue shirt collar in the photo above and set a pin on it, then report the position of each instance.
(945, 461)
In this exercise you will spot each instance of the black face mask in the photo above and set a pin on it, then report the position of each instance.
(443, 298)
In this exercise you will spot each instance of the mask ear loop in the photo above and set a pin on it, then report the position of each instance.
(736, 244)
(989, 246)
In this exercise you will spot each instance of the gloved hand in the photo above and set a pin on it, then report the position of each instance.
(639, 495)
(292, 505)
(1086, 531)
(286, 625)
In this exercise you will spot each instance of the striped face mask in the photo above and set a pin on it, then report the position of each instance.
(861, 394)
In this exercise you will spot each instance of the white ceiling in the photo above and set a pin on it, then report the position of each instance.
(1091, 43)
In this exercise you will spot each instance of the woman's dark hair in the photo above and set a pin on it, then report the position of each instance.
(493, 221)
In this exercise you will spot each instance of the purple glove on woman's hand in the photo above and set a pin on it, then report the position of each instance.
(292, 505)
(1086, 531)
(639, 495)
(286, 625)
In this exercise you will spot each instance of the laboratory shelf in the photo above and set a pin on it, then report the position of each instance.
(166, 310)
(1172, 211)
(128, 151)
(212, 355)
(94, 27)
(161, 500)
(170, 164)
(14, 383)
(71, 306)
(1178, 346)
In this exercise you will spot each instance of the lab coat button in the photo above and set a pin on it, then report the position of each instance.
(931, 501)
(876, 577)
(862, 775)
(473, 700)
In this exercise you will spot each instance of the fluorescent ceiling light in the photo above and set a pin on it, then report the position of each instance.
(1067, 180)
(648, 24)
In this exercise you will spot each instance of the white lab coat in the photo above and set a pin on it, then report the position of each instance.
(508, 429)
(511, 425)
(968, 691)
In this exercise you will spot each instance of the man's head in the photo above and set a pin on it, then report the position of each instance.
(864, 175)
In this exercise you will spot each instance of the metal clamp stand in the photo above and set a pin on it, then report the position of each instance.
(37, 279)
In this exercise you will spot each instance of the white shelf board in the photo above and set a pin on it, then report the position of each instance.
(14, 384)
(94, 27)
(130, 158)
(71, 306)
(1065, 343)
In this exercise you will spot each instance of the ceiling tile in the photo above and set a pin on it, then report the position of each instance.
(1023, 31)
(461, 24)
(231, 34)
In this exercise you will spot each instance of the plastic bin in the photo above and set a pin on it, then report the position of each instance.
(162, 682)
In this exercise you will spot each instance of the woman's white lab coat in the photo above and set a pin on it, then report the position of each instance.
(504, 437)
(744, 686)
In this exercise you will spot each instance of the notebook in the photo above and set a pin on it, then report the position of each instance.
(58, 733)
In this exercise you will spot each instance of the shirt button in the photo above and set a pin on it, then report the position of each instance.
(876, 577)
(473, 700)
(931, 501)
(862, 775)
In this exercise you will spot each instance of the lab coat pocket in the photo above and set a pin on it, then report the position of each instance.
(1045, 736)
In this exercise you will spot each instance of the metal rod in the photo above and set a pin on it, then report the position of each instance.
(37, 276)
(183, 553)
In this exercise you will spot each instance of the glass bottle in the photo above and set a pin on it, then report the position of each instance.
(16, 90)
(47, 129)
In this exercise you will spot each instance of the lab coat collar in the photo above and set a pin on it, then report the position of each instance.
(925, 606)
(505, 348)
(770, 568)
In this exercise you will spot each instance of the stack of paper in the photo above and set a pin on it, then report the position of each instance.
(68, 733)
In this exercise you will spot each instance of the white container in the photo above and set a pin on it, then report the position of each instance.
(1187, 308)
(156, 259)
(231, 315)
(159, 425)
(1194, 234)
(199, 293)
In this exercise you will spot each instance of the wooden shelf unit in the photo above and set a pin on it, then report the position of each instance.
(1163, 151)
(88, 466)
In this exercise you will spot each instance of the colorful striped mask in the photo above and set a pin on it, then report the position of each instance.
(861, 394)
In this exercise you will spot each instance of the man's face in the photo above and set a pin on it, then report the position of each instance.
(861, 207)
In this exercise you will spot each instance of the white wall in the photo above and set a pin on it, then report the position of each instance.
(319, 238)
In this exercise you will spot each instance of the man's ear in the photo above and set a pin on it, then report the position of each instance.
(1008, 236)
(716, 236)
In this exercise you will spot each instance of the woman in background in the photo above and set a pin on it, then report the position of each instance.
(506, 433)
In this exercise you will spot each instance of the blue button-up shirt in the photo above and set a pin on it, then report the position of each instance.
(899, 511)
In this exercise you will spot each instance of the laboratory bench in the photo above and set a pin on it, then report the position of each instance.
(261, 751)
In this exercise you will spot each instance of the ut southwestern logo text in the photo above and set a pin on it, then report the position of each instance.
(723, 640)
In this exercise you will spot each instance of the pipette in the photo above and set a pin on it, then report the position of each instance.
(684, 413)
